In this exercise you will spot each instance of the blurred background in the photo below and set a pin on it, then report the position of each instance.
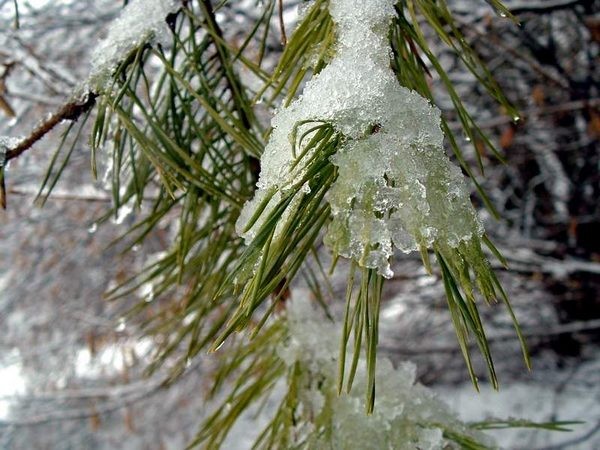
(72, 365)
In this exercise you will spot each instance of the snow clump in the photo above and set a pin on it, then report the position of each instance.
(7, 143)
(139, 22)
(396, 187)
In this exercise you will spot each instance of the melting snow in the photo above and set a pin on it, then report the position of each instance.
(396, 186)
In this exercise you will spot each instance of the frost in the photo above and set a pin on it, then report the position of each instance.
(396, 186)
(139, 22)
(407, 415)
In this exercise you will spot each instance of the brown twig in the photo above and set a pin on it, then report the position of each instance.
(69, 111)
(282, 24)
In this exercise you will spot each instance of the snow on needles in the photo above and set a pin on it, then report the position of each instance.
(396, 186)
(138, 22)
(407, 415)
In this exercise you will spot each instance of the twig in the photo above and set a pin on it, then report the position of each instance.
(532, 112)
(529, 333)
(282, 24)
(67, 197)
(524, 260)
(128, 397)
(39, 99)
(492, 38)
(545, 6)
(70, 111)
(92, 198)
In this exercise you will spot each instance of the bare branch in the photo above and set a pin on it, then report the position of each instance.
(70, 111)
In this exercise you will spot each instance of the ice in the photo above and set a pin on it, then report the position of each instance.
(139, 22)
(396, 187)
(407, 415)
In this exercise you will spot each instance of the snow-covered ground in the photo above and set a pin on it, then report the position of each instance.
(539, 402)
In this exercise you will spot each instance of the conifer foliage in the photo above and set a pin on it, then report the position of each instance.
(353, 157)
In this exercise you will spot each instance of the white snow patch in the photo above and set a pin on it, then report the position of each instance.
(123, 212)
(7, 143)
(12, 382)
(536, 401)
(140, 21)
(112, 359)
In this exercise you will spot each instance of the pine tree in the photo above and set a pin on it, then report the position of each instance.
(353, 158)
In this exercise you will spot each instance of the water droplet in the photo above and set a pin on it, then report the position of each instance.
(121, 325)
(219, 346)
(146, 292)
(136, 248)
(93, 228)
(516, 118)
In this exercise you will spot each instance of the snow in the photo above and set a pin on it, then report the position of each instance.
(538, 401)
(407, 414)
(12, 382)
(140, 21)
(122, 213)
(396, 186)
(112, 359)
(7, 143)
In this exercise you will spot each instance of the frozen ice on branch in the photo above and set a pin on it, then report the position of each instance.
(396, 186)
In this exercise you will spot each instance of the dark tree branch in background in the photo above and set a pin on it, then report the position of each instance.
(534, 112)
(530, 333)
(546, 6)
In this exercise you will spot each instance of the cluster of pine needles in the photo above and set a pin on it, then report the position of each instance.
(179, 130)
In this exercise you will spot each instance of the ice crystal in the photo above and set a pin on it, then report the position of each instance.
(139, 22)
(407, 415)
(396, 186)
